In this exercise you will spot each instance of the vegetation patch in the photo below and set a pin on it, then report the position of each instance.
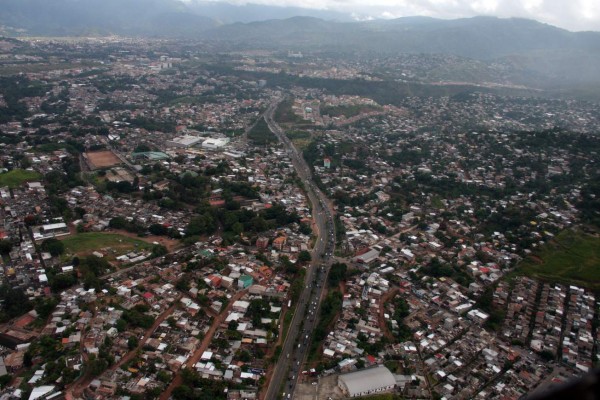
(570, 258)
(17, 177)
(261, 134)
(348, 111)
(301, 139)
(284, 114)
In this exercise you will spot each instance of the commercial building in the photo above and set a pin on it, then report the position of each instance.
(184, 141)
(50, 230)
(368, 257)
(215, 143)
(367, 381)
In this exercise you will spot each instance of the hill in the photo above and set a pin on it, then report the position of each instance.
(479, 37)
(541, 54)
(155, 18)
(530, 53)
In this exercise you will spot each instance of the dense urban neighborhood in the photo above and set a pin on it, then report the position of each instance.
(180, 220)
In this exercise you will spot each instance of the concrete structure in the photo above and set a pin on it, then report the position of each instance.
(368, 257)
(245, 281)
(262, 242)
(151, 155)
(184, 141)
(215, 144)
(50, 230)
(367, 381)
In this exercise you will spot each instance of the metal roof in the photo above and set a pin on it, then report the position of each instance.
(367, 380)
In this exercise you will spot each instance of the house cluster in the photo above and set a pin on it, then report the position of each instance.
(360, 322)
(519, 308)
(27, 208)
(577, 341)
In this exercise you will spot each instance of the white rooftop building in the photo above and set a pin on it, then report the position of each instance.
(184, 141)
(367, 381)
(215, 144)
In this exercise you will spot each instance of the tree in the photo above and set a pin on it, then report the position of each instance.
(183, 284)
(183, 392)
(305, 229)
(117, 223)
(158, 229)
(304, 257)
(121, 325)
(5, 246)
(53, 246)
(163, 376)
(5, 380)
(337, 273)
(158, 250)
(202, 224)
(14, 303)
(132, 342)
(244, 356)
(96, 366)
(232, 326)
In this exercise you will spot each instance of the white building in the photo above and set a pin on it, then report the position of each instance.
(215, 144)
(50, 230)
(184, 141)
(367, 381)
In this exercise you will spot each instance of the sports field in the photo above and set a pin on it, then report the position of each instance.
(102, 159)
(110, 244)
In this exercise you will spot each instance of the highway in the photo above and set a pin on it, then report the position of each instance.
(297, 341)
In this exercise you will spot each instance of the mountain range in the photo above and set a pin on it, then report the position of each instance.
(538, 50)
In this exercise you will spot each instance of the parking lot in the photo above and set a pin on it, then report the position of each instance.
(326, 388)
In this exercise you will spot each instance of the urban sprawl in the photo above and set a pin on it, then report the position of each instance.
(180, 221)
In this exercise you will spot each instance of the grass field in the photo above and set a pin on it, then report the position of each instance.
(571, 258)
(17, 177)
(110, 244)
(41, 67)
(301, 139)
(348, 110)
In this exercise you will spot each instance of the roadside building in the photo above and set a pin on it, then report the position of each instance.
(366, 382)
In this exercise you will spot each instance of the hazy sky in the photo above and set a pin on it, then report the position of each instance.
(576, 15)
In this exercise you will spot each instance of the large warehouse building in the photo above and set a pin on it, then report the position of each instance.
(367, 381)
(185, 141)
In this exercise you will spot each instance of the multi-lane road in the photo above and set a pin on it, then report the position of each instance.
(297, 341)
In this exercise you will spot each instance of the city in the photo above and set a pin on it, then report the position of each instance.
(183, 221)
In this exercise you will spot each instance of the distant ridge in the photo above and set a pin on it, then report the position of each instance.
(478, 37)
(153, 18)
(541, 54)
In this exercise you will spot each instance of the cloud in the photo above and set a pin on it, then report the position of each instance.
(574, 15)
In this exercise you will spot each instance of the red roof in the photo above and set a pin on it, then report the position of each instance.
(148, 295)
(362, 251)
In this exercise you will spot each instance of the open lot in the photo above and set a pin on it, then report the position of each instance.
(326, 387)
(570, 258)
(101, 159)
